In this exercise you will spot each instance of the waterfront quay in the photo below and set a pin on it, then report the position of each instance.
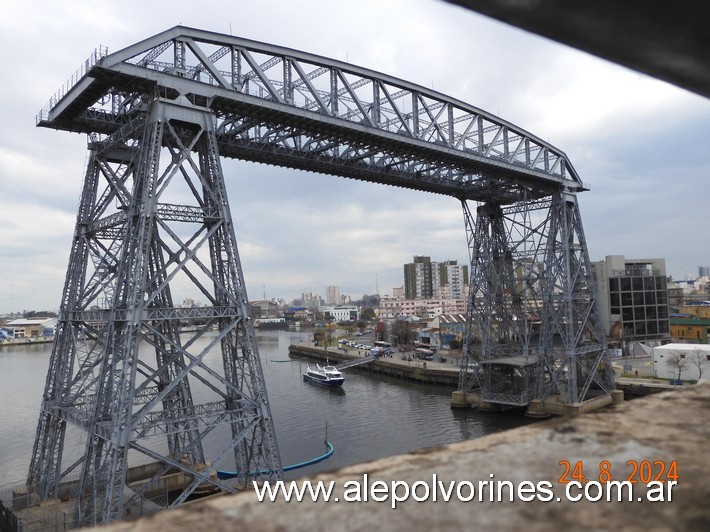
(430, 372)
(447, 374)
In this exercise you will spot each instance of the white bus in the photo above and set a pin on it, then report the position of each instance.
(426, 354)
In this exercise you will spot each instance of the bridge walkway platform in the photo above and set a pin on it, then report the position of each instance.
(357, 362)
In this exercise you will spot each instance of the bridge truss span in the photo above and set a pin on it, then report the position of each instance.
(282, 106)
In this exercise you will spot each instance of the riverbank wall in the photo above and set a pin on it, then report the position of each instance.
(447, 375)
(30, 340)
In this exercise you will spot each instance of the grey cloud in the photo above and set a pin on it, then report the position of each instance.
(297, 231)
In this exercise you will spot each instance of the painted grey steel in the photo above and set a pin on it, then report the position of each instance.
(283, 106)
(533, 324)
(127, 361)
(154, 215)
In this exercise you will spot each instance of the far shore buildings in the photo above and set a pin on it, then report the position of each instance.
(426, 308)
(31, 327)
(640, 306)
(430, 289)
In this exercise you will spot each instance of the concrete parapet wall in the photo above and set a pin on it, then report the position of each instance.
(666, 427)
(590, 405)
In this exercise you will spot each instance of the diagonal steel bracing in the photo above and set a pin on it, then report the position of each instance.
(533, 325)
(154, 216)
(123, 368)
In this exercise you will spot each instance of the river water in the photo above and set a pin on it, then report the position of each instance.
(371, 417)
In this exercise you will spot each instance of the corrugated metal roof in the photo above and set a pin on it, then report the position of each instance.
(28, 322)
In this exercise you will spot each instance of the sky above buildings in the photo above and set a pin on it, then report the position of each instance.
(639, 143)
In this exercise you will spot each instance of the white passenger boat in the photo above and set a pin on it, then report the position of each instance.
(325, 375)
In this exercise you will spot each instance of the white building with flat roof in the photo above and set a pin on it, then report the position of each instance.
(689, 359)
(340, 313)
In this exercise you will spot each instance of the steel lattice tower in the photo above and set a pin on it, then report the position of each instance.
(123, 370)
(533, 324)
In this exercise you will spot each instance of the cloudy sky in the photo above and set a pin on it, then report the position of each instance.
(641, 144)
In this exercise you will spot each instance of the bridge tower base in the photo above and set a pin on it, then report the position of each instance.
(533, 324)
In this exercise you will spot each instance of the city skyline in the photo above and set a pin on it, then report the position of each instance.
(636, 141)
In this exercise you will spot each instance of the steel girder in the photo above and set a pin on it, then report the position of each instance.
(286, 107)
(533, 324)
(122, 368)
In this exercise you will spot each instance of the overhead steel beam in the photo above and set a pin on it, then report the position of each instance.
(313, 96)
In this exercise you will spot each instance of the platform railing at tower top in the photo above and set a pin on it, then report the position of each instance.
(95, 57)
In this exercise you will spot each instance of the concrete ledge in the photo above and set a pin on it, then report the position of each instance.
(458, 400)
(663, 427)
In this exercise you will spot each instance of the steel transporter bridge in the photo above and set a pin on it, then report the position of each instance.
(129, 385)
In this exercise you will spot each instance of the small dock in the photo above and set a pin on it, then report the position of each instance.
(416, 370)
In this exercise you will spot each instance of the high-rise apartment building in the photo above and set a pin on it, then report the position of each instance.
(453, 277)
(332, 295)
(424, 279)
(417, 278)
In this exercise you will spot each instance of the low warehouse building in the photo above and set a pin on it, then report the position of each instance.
(687, 362)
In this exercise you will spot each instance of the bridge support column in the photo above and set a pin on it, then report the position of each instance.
(122, 367)
(487, 406)
(533, 326)
(459, 400)
(617, 396)
(537, 409)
